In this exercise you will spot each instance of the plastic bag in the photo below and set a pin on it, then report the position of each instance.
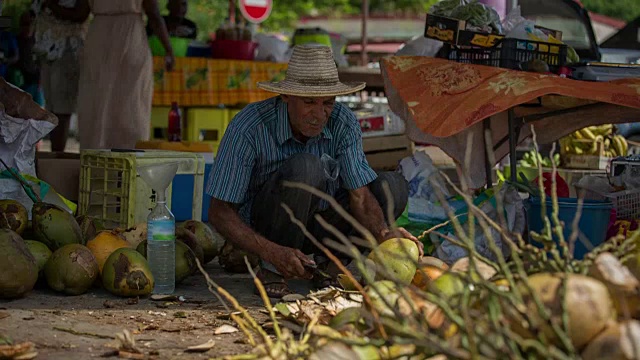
(47, 193)
(22, 124)
(512, 20)
(270, 48)
(593, 187)
(446, 7)
(514, 213)
(481, 17)
(424, 184)
(420, 46)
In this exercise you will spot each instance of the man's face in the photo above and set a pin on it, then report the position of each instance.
(177, 8)
(308, 115)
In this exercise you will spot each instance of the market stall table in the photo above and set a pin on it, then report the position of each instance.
(472, 98)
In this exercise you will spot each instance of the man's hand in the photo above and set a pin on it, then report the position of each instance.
(289, 262)
(403, 233)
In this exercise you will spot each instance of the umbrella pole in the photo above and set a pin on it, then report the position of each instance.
(488, 167)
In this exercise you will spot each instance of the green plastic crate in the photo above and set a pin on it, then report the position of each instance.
(112, 192)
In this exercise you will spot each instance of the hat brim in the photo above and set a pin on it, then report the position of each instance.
(296, 89)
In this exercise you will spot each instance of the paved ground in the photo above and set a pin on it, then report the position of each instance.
(83, 327)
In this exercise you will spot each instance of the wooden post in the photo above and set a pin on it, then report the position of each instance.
(365, 18)
(232, 11)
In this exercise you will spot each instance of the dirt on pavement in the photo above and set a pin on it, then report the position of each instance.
(84, 327)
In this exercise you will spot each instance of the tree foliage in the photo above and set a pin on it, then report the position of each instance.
(620, 9)
(209, 14)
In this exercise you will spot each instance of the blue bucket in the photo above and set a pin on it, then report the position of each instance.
(593, 224)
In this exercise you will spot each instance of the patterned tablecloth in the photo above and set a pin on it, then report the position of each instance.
(212, 82)
(444, 103)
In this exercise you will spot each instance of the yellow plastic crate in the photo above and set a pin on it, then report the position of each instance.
(112, 192)
(207, 125)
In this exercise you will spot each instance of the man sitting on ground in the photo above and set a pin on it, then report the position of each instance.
(302, 136)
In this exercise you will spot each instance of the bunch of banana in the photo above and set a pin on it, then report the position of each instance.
(533, 159)
(589, 140)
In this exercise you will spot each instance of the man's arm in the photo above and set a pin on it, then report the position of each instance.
(225, 219)
(78, 13)
(366, 209)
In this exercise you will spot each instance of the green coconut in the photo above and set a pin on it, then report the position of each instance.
(54, 226)
(232, 259)
(384, 296)
(39, 251)
(13, 216)
(185, 259)
(72, 269)
(398, 257)
(18, 268)
(205, 237)
(127, 273)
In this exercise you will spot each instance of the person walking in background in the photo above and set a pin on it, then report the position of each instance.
(61, 26)
(177, 24)
(27, 63)
(116, 78)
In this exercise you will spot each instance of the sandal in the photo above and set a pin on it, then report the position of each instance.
(274, 285)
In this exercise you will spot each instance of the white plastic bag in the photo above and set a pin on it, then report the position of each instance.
(420, 46)
(515, 218)
(22, 124)
(424, 183)
(270, 48)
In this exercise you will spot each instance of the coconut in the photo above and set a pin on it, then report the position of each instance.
(426, 274)
(72, 269)
(185, 260)
(133, 235)
(87, 227)
(433, 261)
(483, 269)
(191, 241)
(104, 244)
(232, 259)
(384, 296)
(588, 304)
(54, 226)
(398, 257)
(205, 237)
(39, 251)
(623, 286)
(619, 341)
(126, 273)
(18, 267)
(447, 285)
(13, 216)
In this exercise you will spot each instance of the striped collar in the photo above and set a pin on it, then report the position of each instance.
(283, 127)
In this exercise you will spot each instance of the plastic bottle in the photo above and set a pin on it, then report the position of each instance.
(161, 246)
(175, 123)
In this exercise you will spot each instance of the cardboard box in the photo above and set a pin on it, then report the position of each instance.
(61, 171)
(385, 152)
(453, 31)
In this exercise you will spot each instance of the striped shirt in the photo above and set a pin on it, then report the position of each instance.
(259, 140)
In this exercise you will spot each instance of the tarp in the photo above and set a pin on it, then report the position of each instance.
(442, 102)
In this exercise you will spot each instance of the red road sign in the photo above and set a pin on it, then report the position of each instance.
(256, 11)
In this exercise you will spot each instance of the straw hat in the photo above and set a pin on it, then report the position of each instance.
(312, 72)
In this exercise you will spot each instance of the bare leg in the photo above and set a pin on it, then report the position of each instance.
(60, 134)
